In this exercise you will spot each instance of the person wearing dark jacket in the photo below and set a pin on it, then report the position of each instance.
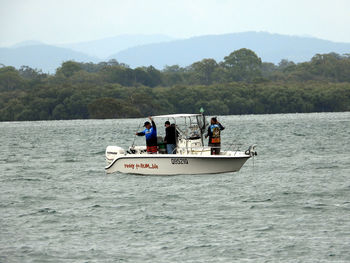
(214, 136)
(170, 137)
(150, 132)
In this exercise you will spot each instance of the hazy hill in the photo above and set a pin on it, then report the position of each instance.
(44, 57)
(270, 47)
(102, 48)
(28, 43)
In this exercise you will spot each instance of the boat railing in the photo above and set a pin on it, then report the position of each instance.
(233, 147)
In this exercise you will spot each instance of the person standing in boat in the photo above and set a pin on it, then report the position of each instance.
(170, 137)
(150, 132)
(214, 136)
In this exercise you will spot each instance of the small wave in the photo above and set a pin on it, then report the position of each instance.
(198, 246)
(267, 228)
(291, 193)
(49, 221)
(25, 197)
(159, 217)
(50, 198)
(173, 196)
(47, 210)
(86, 198)
(26, 179)
(29, 214)
(327, 167)
(313, 207)
(98, 153)
(299, 134)
(257, 201)
(9, 160)
(319, 205)
(70, 161)
(345, 206)
(292, 246)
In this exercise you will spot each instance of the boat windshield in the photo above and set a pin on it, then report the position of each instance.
(189, 126)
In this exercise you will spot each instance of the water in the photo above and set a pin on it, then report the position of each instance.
(292, 205)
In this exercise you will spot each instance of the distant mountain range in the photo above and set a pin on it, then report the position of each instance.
(270, 47)
(44, 57)
(159, 50)
(103, 48)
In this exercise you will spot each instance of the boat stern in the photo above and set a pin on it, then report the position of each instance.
(113, 152)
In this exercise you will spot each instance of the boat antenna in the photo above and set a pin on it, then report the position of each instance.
(253, 165)
(202, 129)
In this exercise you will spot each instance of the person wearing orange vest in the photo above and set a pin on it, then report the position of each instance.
(214, 136)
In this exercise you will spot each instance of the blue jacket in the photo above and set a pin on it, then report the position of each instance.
(151, 135)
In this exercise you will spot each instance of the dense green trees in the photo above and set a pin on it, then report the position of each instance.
(10, 79)
(204, 71)
(242, 65)
(240, 84)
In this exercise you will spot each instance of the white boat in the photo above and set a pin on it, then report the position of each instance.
(191, 156)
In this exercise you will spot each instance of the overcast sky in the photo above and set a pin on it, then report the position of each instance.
(66, 21)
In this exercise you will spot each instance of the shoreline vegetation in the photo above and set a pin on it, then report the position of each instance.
(240, 84)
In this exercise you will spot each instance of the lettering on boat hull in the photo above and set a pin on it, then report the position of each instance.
(141, 166)
(179, 161)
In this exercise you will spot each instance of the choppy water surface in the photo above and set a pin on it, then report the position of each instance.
(293, 205)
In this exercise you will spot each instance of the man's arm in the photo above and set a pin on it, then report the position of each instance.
(166, 135)
(140, 133)
(208, 132)
(221, 127)
(154, 127)
(153, 123)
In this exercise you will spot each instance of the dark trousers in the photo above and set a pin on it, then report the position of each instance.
(215, 148)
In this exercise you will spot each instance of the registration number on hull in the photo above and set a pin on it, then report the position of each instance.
(179, 161)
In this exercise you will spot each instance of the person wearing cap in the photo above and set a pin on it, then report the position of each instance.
(170, 137)
(214, 136)
(150, 132)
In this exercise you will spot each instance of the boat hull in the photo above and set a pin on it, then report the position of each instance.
(176, 164)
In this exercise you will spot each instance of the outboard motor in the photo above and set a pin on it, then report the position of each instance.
(113, 152)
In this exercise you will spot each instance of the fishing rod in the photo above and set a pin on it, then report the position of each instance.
(138, 127)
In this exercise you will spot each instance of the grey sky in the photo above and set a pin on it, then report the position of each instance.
(65, 21)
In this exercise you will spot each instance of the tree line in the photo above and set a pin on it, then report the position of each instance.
(240, 84)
